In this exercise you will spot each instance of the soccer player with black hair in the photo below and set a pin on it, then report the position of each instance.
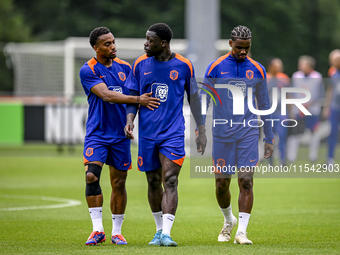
(161, 132)
(236, 144)
(103, 78)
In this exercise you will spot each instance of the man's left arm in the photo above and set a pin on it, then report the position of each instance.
(263, 103)
(195, 107)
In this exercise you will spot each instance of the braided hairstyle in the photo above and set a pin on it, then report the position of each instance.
(240, 32)
(95, 33)
(162, 30)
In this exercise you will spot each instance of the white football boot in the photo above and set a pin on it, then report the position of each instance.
(241, 238)
(228, 226)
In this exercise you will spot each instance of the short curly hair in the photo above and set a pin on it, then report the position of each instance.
(95, 33)
(162, 30)
(240, 32)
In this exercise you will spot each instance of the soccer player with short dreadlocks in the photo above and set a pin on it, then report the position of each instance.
(161, 132)
(235, 144)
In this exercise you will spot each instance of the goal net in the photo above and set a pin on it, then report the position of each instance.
(52, 68)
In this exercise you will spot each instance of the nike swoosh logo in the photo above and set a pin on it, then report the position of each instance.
(253, 160)
(102, 76)
(147, 73)
(125, 164)
(224, 72)
(174, 154)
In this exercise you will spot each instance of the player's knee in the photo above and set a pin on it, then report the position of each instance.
(170, 182)
(154, 181)
(118, 183)
(222, 185)
(246, 183)
(90, 177)
(92, 180)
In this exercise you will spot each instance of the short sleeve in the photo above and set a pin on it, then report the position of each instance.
(88, 79)
(132, 80)
(191, 86)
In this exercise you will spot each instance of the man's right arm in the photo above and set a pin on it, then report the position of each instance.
(107, 95)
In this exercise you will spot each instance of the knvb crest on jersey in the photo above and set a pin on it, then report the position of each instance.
(240, 85)
(173, 75)
(160, 90)
(122, 76)
(249, 74)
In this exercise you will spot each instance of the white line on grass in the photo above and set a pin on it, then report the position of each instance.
(65, 203)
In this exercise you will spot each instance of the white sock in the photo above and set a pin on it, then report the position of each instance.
(158, 216)
(168, 220)
(243, 222)
(117, 222)
(227, 213)
(96, 217)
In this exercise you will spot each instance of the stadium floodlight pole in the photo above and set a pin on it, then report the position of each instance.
(69, 69)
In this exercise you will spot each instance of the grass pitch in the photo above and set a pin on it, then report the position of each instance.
(295, 216)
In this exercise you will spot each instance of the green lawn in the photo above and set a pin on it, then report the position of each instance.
(295, 216)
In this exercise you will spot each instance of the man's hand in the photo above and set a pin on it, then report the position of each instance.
(128, 129)
(268, 150)
(148, 101)
(201, 140)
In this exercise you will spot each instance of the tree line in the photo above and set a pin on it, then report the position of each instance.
(281, 28)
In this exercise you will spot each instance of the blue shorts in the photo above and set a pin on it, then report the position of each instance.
(116, 153)
(243, 153)
(148, 152)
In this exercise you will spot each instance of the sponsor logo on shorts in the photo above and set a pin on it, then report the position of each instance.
(174, 154)
(140, 161)
(146, 73)
(224, 72)
(252, 160)
(102, 76)
(89, 152)
(125, 164)
(173, 75)
(122, 76)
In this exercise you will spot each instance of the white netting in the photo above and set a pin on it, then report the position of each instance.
(52, 68)
(38, 68)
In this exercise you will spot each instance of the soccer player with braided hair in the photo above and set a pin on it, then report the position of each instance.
(236, 144)
(161, 132)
